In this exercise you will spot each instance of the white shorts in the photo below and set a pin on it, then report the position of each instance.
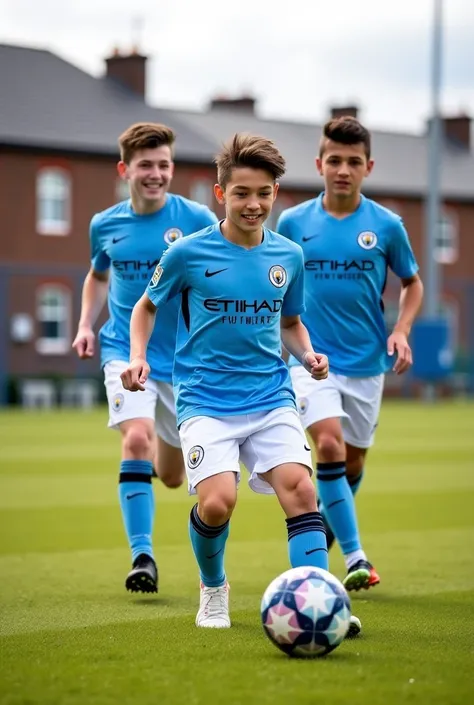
(156, 403)
(212, 445)
(356, 401)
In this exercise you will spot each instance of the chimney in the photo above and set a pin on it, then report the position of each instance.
(347, 111)
(129, 70)
(457, 130)
(244, 104)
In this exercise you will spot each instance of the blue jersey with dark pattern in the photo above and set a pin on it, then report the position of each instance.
(130, 246)
(346, 262)
(229, 362)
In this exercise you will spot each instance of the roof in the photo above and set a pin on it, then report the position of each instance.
(49, 103)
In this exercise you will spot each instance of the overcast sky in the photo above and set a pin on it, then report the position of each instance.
(297, 57)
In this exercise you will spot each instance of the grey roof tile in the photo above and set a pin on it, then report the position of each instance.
(47, 102)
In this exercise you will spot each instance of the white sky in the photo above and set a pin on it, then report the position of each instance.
(297, 58)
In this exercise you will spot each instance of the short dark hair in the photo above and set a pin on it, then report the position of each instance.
(144, 135)
(252, 151)
(345, 130)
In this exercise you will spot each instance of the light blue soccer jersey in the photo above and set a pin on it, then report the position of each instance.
(131, 246)
(346, 265)
(230, 361)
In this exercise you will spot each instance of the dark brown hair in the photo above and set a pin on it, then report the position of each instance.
(144, 135)
(345, 130)
(248, 151)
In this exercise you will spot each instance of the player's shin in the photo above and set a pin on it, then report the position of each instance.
(137, 504)
(338, 502)
(354, 482)
(208, 544)
(307, 541)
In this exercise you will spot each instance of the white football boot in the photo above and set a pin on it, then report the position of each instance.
(214, 607)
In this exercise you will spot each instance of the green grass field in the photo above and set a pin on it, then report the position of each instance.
(70, 634)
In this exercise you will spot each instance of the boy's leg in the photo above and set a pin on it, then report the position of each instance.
(169, 462)
(279, 436)
(134, 416)
(279, 460)
(321, 413)
(306, 533)
(211, 450)
(362, 401)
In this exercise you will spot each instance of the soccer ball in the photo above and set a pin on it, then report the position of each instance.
(306, 612)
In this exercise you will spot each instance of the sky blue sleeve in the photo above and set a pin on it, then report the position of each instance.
(293, 303)
(100, 261)
(401, 259)
(170, 276)
(283, 225)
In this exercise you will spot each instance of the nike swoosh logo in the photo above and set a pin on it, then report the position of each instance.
(213, 274)
(307, 448)
(214, 554)
(118, 239)
(313, 550)
(135, 494)
(305, 239)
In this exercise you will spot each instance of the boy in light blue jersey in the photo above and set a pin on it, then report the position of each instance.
(127, 241)
(242, 291)
(349, 242)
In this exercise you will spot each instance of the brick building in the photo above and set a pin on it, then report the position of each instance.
(58, 151)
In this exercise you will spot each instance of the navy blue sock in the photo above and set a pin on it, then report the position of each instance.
(138, 504)
(307, 541)
(338, 505)
(208, 544)
(354, 483)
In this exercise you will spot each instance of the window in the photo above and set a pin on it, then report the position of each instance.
(122, 190)
(446, 251)
(279, 206)
(53, 202)
(202, 191)
(53, 313)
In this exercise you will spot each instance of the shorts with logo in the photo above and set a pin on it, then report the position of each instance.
(261, 441)
(356, 401)
(156, 403)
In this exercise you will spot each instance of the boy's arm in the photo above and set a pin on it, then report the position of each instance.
(142, 323)
(411, 297)
(295, 338)
(94, 296)
(94, 292)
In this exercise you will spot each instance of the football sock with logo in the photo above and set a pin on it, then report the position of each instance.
(208, 544)
(138, 504)
(307, 541)
(354, 483)
(338, 505)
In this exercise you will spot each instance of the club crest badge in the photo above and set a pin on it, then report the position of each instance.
(277, 276)
(367, 240)
(195, 456)
(172, 234)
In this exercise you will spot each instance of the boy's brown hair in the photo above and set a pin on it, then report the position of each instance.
(345, 130)
(252, 151)
(144, 135)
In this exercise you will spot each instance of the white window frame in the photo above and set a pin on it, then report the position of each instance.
(53, 184)
(45, 312)
(202, 191)
(447, 238)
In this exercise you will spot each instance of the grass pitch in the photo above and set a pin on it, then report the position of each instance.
(70, 634)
